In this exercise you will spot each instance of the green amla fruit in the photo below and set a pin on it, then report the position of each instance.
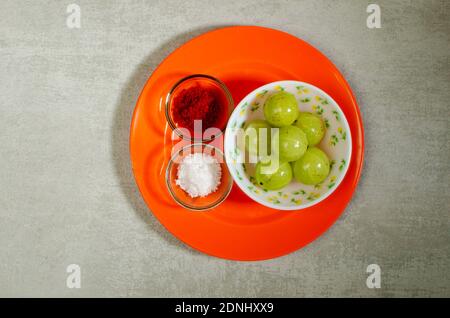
(253, 140)
(313, 127)
(281, 109)
(290, 143)
(276, 179)
(313, 167)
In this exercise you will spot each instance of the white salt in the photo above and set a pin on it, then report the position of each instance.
(199, 174)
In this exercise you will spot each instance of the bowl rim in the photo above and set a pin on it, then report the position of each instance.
(338, 181)
(169, 95)
(180, 202)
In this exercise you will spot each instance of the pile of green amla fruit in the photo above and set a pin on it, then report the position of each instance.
(297, 136)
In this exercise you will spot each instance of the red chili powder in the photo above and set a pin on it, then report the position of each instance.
(197, 103)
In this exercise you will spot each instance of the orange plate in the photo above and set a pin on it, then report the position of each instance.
(244, 58)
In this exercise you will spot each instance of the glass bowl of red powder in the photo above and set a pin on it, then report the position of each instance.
(198, 107)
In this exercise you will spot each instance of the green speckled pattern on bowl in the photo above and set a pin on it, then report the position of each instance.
(336, 144)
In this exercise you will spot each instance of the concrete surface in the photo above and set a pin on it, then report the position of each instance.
(68, 196)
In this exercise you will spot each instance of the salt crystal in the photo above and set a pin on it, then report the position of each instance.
(199, 174)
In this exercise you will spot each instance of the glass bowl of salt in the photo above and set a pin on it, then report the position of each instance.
(197, 177)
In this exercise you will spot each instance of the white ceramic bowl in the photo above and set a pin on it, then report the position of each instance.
(337, 144)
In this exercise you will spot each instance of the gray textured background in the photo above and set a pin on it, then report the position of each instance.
(66, 190)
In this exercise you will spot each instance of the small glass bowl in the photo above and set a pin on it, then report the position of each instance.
(199, 203)
(204, 80)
